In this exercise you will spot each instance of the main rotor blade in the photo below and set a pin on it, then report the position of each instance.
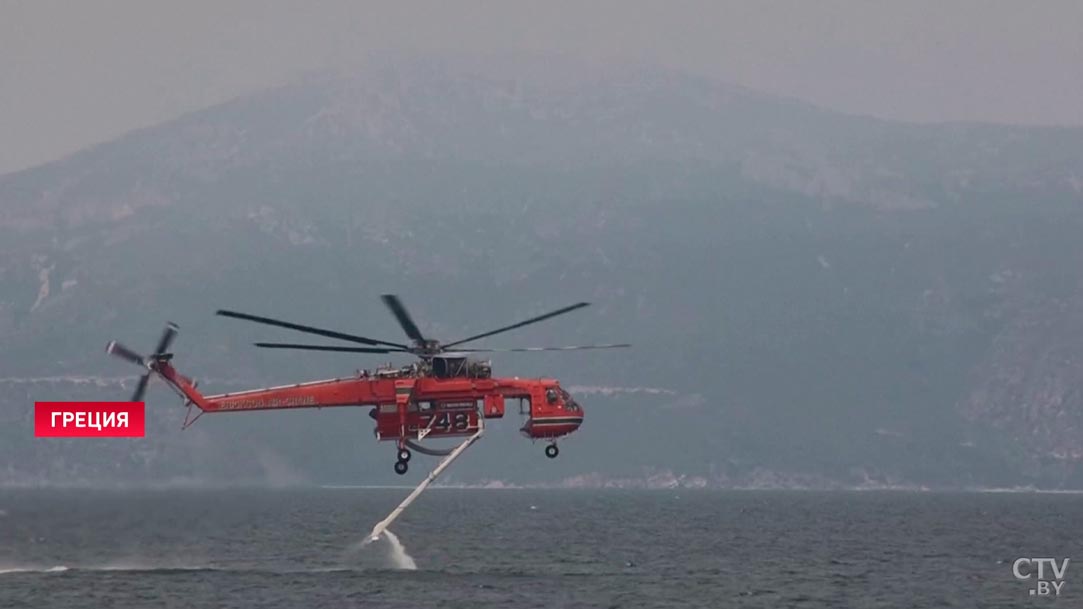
(124, 353)
(532, 320)
(308, 329)
(141, 388)
(568, 348)
(405, 321)
(328, 348)
(168, 335)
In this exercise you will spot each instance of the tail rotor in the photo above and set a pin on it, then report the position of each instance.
(160, 353)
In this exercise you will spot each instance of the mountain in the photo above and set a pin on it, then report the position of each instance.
(814, 299)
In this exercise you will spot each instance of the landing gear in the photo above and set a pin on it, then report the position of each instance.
(402, 465)
(552, 451)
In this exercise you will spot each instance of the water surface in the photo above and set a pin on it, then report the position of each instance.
(529, 548)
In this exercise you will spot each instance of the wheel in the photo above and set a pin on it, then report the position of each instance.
(552, 451)
(401, 467)
(404, 455)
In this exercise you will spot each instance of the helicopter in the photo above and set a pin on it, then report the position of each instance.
(445, 393)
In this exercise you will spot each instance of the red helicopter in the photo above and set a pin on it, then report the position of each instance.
(444, 394)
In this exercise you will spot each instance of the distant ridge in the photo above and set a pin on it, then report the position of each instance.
(801, 280)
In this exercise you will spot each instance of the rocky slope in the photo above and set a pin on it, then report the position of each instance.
(812, 296)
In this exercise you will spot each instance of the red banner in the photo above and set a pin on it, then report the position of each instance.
(89, 419)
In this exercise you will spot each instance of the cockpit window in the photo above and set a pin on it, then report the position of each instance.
(551, 396)
(569, 403)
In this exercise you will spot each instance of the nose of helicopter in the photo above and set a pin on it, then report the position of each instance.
(575, 421)
(573, 411)
(559, 417)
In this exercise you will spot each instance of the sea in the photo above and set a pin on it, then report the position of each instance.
(534, 548)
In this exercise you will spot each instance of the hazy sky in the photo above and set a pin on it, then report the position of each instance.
(75, 73)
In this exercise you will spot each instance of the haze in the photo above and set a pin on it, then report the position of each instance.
(76, 74)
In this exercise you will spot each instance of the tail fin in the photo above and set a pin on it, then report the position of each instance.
(158, 363)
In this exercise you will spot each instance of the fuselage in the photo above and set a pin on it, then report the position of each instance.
(406, 404)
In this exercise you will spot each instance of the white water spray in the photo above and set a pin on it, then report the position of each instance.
(397, 554)
(399, 557)
(27, 569)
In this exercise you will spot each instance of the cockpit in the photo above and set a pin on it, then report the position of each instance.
(553, 413)
(569, 401)
(558, 396)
